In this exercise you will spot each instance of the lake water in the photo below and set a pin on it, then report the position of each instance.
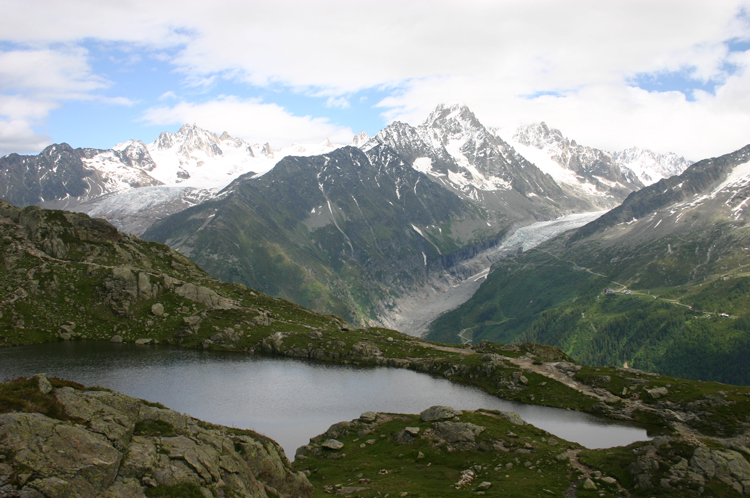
(287, 400)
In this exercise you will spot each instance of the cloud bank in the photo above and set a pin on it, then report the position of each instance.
(670, 75)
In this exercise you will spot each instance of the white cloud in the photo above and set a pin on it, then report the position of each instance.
(338, 102)
(61, 73)
(36, 81)
(19, 136)
(250, 119)
(488, 54)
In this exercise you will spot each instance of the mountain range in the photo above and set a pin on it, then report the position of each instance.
(357, 231)
(133, 184)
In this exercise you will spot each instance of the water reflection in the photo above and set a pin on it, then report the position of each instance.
(287, 400)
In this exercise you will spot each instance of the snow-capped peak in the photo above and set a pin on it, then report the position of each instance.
(585, 169)
(649, 166)
(538, 135)
(455, 118)
(195, 157)
(360, 139)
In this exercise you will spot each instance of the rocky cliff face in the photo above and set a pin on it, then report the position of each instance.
(98, 443)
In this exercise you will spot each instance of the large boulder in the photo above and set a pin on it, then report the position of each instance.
(439, 413)
(456, 432)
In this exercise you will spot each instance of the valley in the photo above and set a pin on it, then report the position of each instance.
(401, 218)
(95, 284)
(658, 283)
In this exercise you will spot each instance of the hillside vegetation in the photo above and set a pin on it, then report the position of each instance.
(69, 277)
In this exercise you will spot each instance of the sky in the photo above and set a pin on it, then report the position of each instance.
(671, 75)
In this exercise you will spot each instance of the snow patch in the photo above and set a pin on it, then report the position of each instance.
(738, 178)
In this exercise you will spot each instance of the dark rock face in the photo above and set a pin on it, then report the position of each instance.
(116, 446)
(56, 172)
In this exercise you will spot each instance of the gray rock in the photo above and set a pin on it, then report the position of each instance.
(102, 457)
(52, 448)
(144, 341)
(439, 413)
(519, 377)
(203, 295)
(657, 392)
(366, 349)
(116, 338)
(720, 463)
(403, 437)
(368, 416)
(192, 322)
(157, 309)
(454, 432)
(512, 417)
(588, 484)
(332, 444)
(44, 385)
(643, 481)
(145, 289)
(484, 486)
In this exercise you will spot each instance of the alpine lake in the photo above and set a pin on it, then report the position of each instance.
(287, 400)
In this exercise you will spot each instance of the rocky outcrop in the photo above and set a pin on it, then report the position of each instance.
(657, 466)
(105, 444)
(126, 284)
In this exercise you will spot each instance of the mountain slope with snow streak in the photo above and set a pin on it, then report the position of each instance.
(659, 283)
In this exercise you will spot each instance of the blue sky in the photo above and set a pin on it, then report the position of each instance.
(666, 75)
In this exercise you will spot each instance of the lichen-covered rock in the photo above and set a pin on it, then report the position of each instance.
(117, 446)
(721, 463)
